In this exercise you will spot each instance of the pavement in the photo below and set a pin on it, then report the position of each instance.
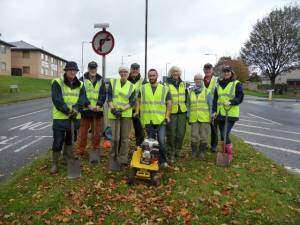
(25, 134)
(272, 128)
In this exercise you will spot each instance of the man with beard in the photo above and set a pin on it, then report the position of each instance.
(155, 105)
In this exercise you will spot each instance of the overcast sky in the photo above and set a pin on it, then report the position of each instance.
(180, 32)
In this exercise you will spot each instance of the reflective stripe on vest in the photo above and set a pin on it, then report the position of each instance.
(120, 97)
(70, 97)
(178, 97)
(92, 93)
(199, 110)
(153, 105)
(224, 95)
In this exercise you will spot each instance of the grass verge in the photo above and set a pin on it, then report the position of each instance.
(254, 190)
(29, 88)
(265, 94)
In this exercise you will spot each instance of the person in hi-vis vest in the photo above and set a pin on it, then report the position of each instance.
(211, 82)
(154, 104)
(177, 126)
(92, 113)
(228, 96)
(121, 99)
(199, 106)
(136, 80)
(68, 97)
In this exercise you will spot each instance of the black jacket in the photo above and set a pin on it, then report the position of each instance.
(59, 104)
(238, 98)
(101, 97)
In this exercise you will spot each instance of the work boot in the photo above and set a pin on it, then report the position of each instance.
(202, 150)
(214, 149)
(229, 152)
(74, 167)
(54, 167)
(94, 156)
(194, 149)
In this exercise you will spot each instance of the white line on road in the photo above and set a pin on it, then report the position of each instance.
(4, 142)
(252, 121)
(30, 143)
(267, 128)
(265, 135)
(27, 114)
(273, 147)
(272, 121)
(15, 143)
(296, 170)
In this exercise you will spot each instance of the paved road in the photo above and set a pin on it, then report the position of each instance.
(25, 133)
(272, 128)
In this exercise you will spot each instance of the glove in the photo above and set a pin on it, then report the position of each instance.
(118, 112)
(73, 114)
(113, 111)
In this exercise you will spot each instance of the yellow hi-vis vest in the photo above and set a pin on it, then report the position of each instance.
(178, 97)
(92, 93)
(70, 97)
(224, 95)
(153, 105)
(212, 84)
(137, 87)
(120, 97)
(199, 110)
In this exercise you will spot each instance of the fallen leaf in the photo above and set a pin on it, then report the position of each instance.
(67, 211)
(88, 212)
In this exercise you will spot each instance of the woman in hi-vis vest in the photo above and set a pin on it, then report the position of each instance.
(227, 98)
(121, 99)
(176, 128)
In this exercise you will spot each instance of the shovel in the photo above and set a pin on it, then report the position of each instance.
(222, 156)
(73, 164)
(94, 154)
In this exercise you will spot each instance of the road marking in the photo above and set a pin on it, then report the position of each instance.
(15, 143)
(272, 121)
(296, 170)
(32, 126)
(256, 121)
(30, 143)
(265, 135)
(4, 142)
(27, 114)
(273, 147)
(267, 128)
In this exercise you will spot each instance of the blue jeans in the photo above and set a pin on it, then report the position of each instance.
(158, 132)
(221, 125)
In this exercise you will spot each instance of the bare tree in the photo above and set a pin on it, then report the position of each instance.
(274, 44)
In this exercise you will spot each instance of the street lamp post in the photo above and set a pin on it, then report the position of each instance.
(214, 55)
(146, 37)
(82, 45)
(167, 68)
(122, 62)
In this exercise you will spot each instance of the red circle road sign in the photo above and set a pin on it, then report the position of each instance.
(103, 42)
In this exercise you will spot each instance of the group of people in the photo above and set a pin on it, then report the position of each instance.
(161, 110)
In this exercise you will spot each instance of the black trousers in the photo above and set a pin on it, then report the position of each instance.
(60, 137)
(138, 131)
(214, 134)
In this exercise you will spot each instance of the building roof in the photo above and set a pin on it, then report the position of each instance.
(6, 43)
(22, 45)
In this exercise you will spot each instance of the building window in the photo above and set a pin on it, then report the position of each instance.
(26, 69)
(42, 56)
(46, 57)
(42, 71)
(3, 49)
(3, 66)
(26, 54)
